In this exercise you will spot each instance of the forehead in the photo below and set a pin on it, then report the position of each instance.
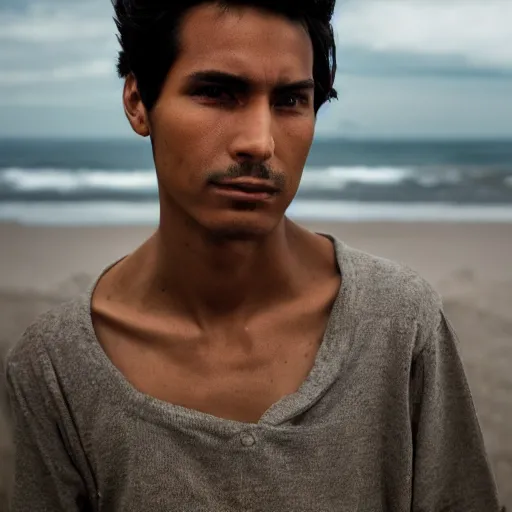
(244, 40)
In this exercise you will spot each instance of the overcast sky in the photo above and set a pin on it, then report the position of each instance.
(407, 68)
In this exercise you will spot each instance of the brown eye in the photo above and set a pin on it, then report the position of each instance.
(213, 92)
(292, 100)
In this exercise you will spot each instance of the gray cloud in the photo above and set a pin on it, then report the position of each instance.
(365, 62)
(476, 31)
(56, 41)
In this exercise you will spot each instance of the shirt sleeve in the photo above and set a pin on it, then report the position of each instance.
(451, 468)
(45, 478)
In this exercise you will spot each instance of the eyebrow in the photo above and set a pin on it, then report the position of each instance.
(243, 84)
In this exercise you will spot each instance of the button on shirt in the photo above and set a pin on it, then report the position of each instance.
(247, 439)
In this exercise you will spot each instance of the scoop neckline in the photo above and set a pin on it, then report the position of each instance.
(332, 355)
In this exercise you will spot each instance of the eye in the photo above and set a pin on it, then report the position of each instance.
(213, 92)
(293, 100)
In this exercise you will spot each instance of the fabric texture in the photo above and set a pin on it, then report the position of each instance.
(384, 422)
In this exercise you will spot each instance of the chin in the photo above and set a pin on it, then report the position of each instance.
(246, 226)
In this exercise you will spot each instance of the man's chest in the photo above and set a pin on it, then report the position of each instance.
(328, 448)
(238, 378)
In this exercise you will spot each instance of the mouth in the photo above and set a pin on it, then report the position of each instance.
(248, 189)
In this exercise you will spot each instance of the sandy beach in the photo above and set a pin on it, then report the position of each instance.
(470, 264)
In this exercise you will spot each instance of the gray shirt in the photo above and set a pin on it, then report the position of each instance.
(384, 422)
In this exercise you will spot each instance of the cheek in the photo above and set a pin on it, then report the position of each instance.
(186, 142)
(181, 127)
(296, 144)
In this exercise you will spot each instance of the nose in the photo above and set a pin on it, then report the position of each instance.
(253, 140)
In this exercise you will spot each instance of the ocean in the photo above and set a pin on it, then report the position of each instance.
(93, 182)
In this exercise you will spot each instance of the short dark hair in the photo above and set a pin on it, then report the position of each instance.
(149, 30)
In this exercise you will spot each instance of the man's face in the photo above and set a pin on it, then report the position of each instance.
(233, 126)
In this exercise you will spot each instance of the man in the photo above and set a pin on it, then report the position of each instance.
(236, 361)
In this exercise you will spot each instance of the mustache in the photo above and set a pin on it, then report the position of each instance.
(250, 170)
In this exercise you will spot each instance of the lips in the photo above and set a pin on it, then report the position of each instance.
(248, 185)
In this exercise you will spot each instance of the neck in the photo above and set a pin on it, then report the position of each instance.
(209, 279)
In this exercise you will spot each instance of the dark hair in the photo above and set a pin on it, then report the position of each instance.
(149, 30)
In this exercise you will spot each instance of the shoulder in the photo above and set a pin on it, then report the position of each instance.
(389, 289)
(46, 341)
(46, 376)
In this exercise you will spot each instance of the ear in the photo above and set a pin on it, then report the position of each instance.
(133, 107)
